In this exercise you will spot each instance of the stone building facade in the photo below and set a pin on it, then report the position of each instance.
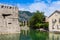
(54, 22)
(9, 19)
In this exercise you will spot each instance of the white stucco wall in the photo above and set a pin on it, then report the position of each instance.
(53, 17)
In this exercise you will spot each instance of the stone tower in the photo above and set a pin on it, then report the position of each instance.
(9, 19)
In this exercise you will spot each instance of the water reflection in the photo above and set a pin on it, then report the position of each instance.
(37, 35)
(10, 37)
(25, 35)
(25, 32)
(31, 35)
(53, 36)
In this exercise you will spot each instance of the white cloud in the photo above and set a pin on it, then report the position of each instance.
(41, 6)
(20, 7)
(54, 6)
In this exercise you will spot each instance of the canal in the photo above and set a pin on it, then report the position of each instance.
(31, 35)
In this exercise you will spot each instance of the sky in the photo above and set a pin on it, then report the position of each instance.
(46, 6)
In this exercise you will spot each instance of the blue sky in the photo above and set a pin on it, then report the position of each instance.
(47, 6)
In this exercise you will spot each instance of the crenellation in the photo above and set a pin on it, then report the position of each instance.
(2, 6)
(9, 19)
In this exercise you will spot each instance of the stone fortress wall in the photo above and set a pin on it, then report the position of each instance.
(9, 19)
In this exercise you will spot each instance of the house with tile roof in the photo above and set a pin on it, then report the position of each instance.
(54, 21)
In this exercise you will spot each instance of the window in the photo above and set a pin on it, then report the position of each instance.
(4, 15)
(9, 23)
(54, 21)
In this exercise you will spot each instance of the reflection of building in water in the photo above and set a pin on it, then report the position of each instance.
(25, 32)
(10, 37)
(24, 25)
(9, 19)
(24, 28)
(25, 35)
(53, 36)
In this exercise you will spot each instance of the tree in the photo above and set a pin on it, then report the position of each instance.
(37, 20)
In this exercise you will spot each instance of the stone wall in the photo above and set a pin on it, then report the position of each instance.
(9, 19)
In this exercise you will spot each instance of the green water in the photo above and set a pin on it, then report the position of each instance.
(31, 35)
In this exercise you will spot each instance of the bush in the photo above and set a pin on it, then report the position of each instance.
(46, 25)
(38, 21)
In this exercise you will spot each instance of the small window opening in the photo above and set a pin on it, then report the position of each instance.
(9, 23)
(54, 21)
(4, 15)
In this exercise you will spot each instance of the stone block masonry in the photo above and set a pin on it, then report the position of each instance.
(9, 19)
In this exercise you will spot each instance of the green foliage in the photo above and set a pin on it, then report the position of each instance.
(38, 20)
(38, 25)
(46, 25)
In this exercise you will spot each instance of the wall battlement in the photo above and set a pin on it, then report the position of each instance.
(9, 19)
